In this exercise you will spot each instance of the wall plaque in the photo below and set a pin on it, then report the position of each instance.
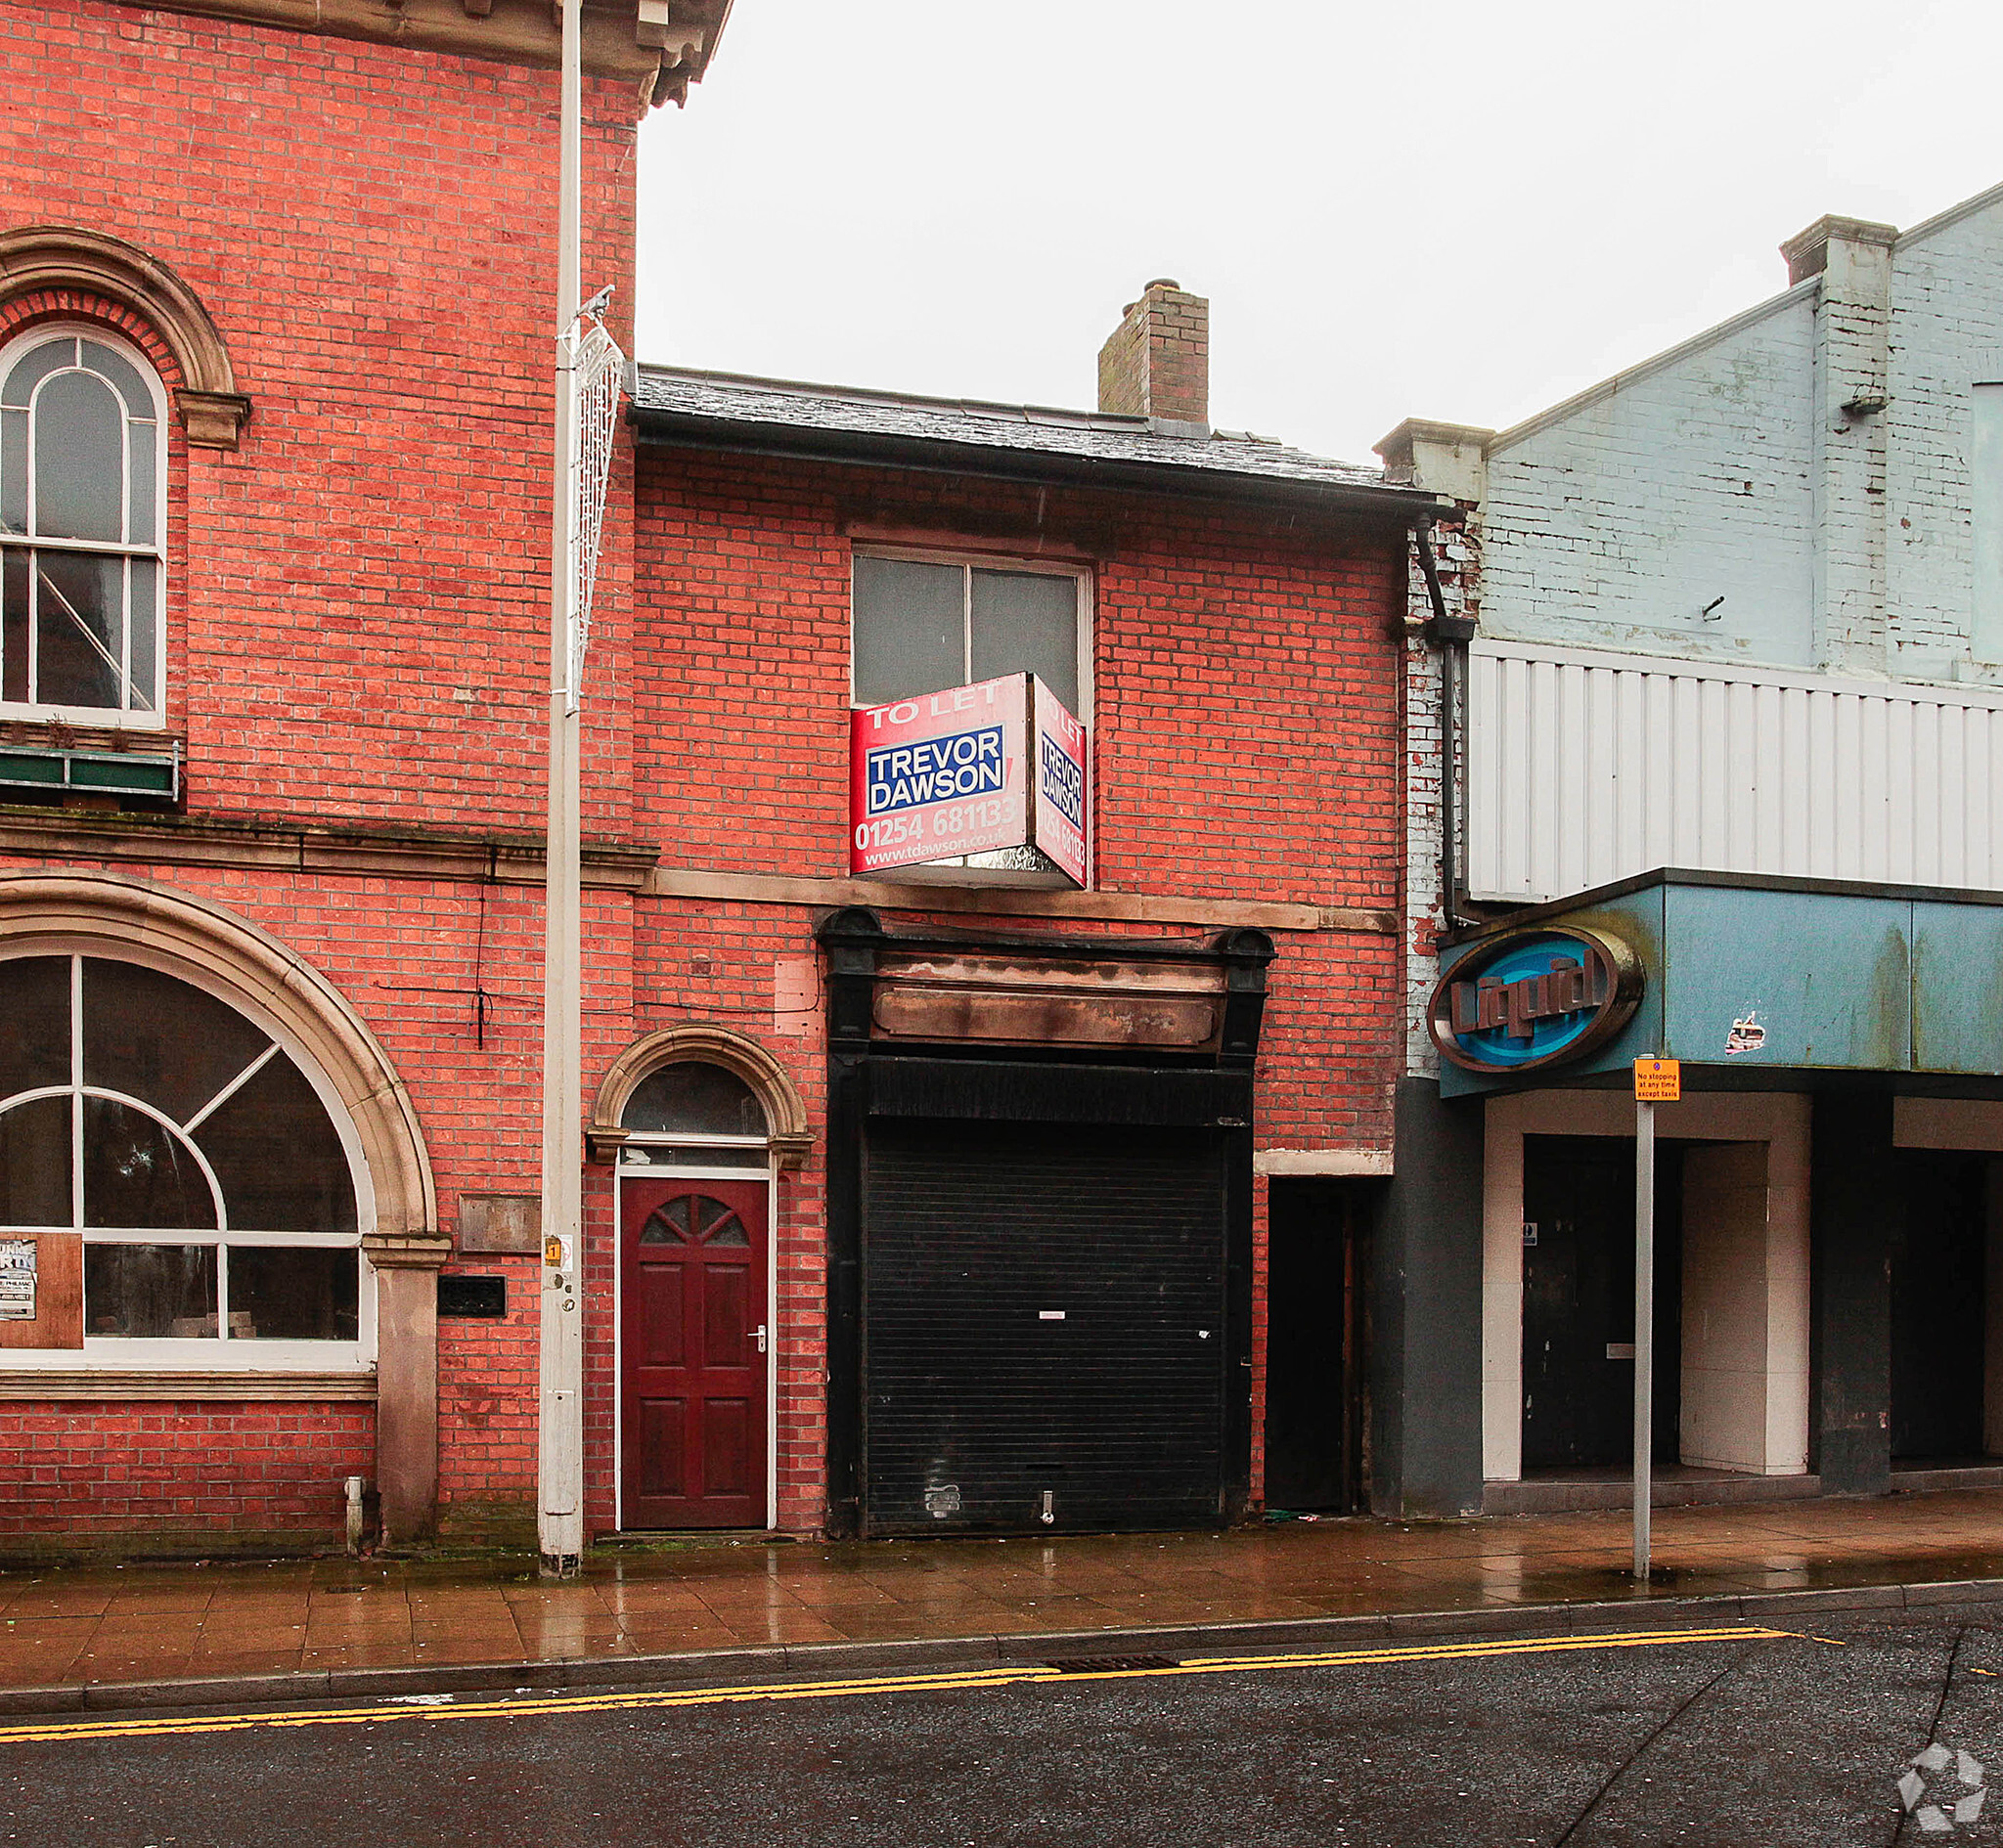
(500, 1222)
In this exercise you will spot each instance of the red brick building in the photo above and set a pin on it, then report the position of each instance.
(953, 1199)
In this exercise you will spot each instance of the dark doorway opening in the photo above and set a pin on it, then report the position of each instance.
(1938, 1259)
(1578, 1301)
(1317, 1231)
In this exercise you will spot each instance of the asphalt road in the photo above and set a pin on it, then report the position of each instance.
(1727, 1737)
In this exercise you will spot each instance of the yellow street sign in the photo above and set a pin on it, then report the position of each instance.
(1657, 1082)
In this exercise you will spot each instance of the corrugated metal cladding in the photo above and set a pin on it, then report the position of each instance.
(1585, 767)
(1043, 1315)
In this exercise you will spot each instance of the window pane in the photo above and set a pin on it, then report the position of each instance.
(143, 501)
(275, 1151)
(79, 640)
(80, 439)
(34, 1005)
(34, 1164)
(122, 373)
(1024, 622)
(13, 625)
(12, 472)
(294, 1295)
(694, 1155)
(909, 629)
(694, 1100)
(36, 367)
(150, 1290)
(137, 1173)
(160, 1039)
(146, 613)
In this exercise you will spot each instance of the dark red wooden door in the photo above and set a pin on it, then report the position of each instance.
(693, 1327)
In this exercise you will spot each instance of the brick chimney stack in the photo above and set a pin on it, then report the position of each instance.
(1157, 362)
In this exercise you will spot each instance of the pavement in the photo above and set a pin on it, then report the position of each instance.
(169, 1635)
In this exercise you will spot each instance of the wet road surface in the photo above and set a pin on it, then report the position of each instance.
(1737, 1734)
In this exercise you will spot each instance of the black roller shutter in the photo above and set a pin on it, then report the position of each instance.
(979, 1401)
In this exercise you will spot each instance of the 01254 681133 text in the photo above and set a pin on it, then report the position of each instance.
(946, 825)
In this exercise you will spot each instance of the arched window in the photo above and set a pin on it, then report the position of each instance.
(214, 1192)
(690, 1114)
(82, 528)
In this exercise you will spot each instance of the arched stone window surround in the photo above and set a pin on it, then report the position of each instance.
(98, 913)
(62, 913)
(786, 1114)
(64, 263)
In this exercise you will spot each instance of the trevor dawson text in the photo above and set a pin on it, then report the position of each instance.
(934, 770)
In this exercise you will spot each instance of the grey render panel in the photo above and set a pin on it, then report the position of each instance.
(1827, 975)
(1958, 988)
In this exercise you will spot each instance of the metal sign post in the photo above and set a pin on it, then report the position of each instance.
(1656, 1081)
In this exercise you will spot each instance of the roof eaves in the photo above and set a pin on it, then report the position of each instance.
(692, 429)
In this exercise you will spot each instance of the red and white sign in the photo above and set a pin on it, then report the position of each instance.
(1060, 812)
(969, 771)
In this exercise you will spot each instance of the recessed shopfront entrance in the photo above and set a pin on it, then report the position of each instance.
(1317, 1255)
(1578, 1301)
(1938, 1261)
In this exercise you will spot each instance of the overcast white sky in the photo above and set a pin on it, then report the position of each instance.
(1454, 210)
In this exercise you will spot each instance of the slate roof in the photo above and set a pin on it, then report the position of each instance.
(778, 415)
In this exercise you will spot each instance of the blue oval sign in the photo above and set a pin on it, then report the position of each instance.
(1535, 997)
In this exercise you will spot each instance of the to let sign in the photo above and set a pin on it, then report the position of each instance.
(1657, 1082)
(970, 769)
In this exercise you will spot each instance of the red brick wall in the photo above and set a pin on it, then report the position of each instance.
(358, 608)
(373, 230)
(358, 601)
(166, 1469)
(1245, 712)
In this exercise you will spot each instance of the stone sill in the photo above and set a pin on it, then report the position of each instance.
(70, 1384)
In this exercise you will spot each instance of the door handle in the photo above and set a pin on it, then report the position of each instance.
(757, 1335)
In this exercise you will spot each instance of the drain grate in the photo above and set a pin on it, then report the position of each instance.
(1102, 1664)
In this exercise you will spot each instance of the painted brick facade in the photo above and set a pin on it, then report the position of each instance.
(1796, 489)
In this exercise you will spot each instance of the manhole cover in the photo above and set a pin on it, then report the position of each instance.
(1102, 1664)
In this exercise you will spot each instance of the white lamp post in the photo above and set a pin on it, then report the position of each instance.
(588, 371)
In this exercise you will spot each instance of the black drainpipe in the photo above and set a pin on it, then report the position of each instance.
(1450, 634)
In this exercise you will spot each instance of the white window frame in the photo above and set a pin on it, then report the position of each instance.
(981, 869)
(112, 718)
(971, 561)
(220, 1353)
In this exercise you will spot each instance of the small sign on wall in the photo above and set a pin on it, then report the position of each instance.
(500, 1222)
(17, 1280)
(1658, 1080)
(41, 1291)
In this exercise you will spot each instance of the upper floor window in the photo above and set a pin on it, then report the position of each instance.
(923, 624)
(82, 529)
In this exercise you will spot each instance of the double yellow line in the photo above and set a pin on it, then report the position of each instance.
(948, 1680)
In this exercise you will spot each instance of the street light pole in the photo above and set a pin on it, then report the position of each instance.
(560, 1520)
